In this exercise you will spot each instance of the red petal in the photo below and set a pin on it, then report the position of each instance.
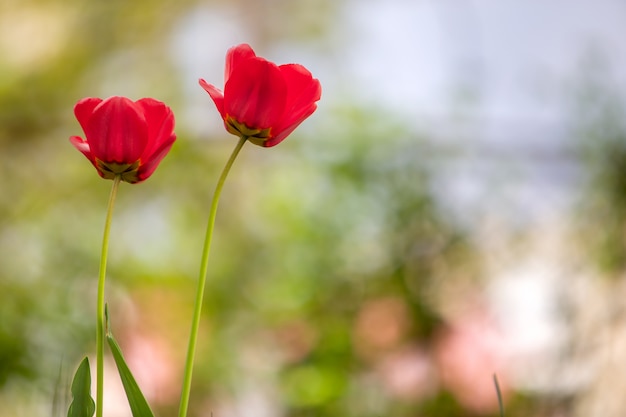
(216, 95)
(303, 93)
(117, 131)
(235, 56)
(84, 109)
(80, 144)
(146, 169)
(255, 94)
(160, 122)
(281, 134)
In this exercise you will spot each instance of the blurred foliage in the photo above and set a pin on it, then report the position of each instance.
(601, 131)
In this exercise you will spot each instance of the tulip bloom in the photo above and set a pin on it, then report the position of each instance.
(263, 102)
(124, 137)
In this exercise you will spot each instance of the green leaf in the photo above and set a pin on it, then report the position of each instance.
(138, 404)
(82, 404)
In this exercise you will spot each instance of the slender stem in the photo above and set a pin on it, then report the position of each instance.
(195, 324)
(100, 302)
(499, 394)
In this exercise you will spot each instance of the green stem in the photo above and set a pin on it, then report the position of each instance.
(100, 302)
(499, 394)
(195, 324)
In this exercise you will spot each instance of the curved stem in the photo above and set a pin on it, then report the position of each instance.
(195, 324)
(100, 302)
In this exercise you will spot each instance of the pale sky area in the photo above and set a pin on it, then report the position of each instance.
(513, 57)
(501, 75)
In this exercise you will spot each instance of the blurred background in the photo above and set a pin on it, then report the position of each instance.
(455, 209)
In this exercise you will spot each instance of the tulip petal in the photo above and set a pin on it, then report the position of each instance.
(286, 131)
(117, 131)
(160, 122)
(84, 109)
(303, 93)
(216, 94)
(235, 56)
(80, 144)
(255, 94)
(146, 169)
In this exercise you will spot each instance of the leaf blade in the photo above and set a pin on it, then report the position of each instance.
(82, 404)
(138, 405)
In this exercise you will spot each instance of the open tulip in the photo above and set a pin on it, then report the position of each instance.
(124, 137)
(263, 102)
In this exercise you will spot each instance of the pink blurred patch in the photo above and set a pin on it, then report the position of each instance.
(154, 367)
(467, 354)
(408, 374)
(382, 325)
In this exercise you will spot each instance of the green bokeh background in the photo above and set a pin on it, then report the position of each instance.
(333, 258)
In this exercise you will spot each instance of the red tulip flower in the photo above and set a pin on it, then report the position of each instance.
(124, 137)
(262, 101)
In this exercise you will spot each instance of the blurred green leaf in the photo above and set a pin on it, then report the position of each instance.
(311, 385)
(138, 404)
(82, 404)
